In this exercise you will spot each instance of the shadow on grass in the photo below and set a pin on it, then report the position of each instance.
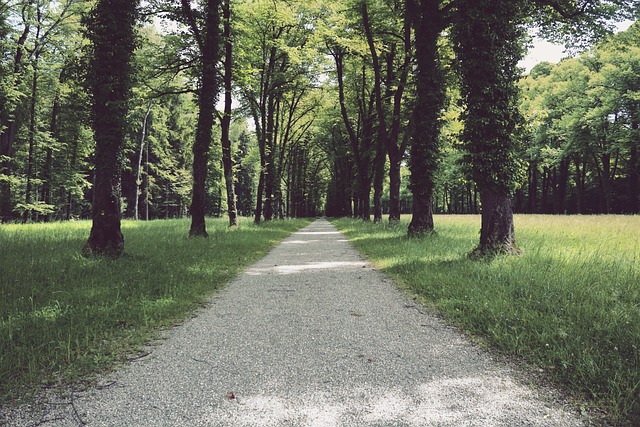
(66, 315)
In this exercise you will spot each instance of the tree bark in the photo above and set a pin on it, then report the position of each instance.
(227, 162)
(487, 36)
(497, 234)
(206, 107)
(430, 101)
(113, 45)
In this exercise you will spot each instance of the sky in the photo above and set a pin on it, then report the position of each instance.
(542, 50)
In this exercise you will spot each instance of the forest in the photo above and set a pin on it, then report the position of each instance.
(275, 109)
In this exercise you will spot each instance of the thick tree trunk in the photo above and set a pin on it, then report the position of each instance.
(113, 40)
(429, 103)
(487, 36)
(497, 233)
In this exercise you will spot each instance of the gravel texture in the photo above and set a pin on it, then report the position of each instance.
(311, 335)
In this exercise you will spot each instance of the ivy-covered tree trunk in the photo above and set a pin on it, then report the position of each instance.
(487, 35)
(112, 35)
(206, 108)
(429, 104)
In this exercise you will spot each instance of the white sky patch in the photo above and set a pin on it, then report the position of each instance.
(543, 50)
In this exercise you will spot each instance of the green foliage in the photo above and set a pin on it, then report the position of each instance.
(568, 305)
(488, 40)
(64, 316)
(585, 111)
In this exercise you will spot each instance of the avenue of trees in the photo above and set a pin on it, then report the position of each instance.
(273, 109)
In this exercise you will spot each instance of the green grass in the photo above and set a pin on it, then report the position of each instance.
(64, 317)
(570, 304)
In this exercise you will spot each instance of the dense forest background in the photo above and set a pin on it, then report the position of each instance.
(323, 97)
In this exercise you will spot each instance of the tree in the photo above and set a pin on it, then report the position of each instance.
(209, 46)
(244, 175)
(389, 93)
(429, 21)
(275, 64)
(111, 31)
(488, 39)
(226, 118)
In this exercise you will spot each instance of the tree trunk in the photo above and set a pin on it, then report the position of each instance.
(259, 196)
(206, 107)
(394, 187)
(227, 163)
(634, 171)
(429, 103)
(113, 44)
(378, 181)
(580, 178)
(47, 171)
(532, 191)
(487, 37)
(497, 234)
(26, 216)
(270, 175)
(143, 135)
(561, 186)
(8, 134)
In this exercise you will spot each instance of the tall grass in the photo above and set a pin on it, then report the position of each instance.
(63, 316)
(570, 304)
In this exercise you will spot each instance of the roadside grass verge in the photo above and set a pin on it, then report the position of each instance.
(569, 305)
(64, 317)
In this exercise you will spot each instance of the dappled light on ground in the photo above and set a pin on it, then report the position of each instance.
(477, 400)
(299, 268)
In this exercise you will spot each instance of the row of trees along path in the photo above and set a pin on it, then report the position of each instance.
(340, 95)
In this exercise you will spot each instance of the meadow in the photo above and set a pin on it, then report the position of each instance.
(569, 306)
(64, 317)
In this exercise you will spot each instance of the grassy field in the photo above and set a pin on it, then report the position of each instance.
(63, 316)
(569, 305)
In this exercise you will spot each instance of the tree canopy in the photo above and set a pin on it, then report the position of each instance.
(363, 107)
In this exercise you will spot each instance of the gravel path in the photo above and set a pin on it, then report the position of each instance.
(311, 335)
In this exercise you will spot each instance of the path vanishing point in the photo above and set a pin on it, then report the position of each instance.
(311, 335)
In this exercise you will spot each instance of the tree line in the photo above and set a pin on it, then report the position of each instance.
(354, 108)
